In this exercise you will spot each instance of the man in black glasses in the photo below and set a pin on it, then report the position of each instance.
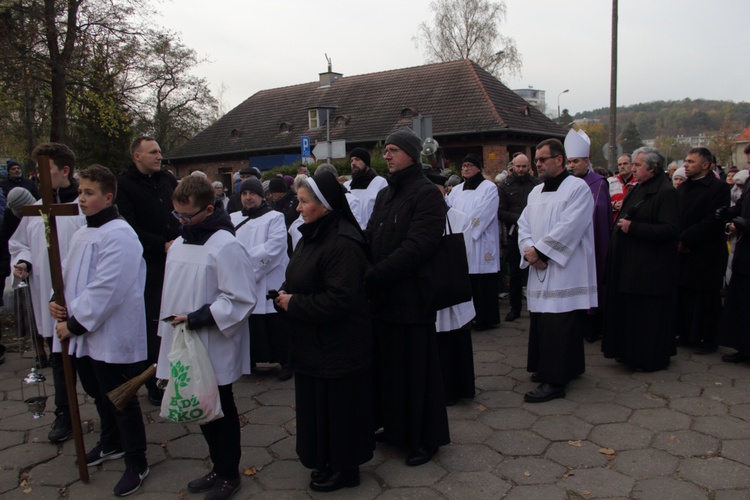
(556, 240)
(144, 199)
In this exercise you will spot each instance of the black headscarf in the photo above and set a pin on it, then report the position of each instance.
(332, 193)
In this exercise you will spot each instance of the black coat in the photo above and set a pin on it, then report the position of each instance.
(406, 226)
(330, 329)
(644, 261)
(514, 193)
(287, 205)
(703, 254)
(741, 260)
(146, 203)
(8, 184)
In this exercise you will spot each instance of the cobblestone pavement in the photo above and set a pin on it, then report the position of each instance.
(681, 433)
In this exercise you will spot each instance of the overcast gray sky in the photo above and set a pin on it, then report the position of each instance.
(668, 49)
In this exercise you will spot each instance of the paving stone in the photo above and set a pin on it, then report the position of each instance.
(487, 357)
(27, 455)
(465, 409)
(576, 454)
(469, 458)
(396, 474)
(660, 419)
(160, 432)
(699, 407)
(601, 413)
(729, 370)
(192, 446)
(562, 427)
(637, 399)
(724, 427)
(8, 480)
(409, 494)
(621, 384)
(473, 485)
(599, 482)
(284, 475)
(731, 495)
(716, 473)
(737, 450)
(537, 492)
(35, 492)
(11, 438)
(510, 418)
(24, 421)
(499, 399)
(12, 408)
(530, 470)
(740, 411)
(286, 449)
(173, 476)
(729, 395)
(589, 395)
(490, 369)
(663, 487)
(706, 380)
(520, 374)
(497, 383)
(271, 415)
(262, 435)
(280, 495)
(517, 443)
(686, 444)
(255, 456)
(276, 398)
(674, 389)
(644, 464)
(555, 407)
(469, 431)
(620, 436)
(245, 405)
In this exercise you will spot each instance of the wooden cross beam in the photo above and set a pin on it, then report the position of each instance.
(49, 210)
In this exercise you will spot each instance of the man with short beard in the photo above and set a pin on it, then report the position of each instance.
(16, 179)
(365, 184)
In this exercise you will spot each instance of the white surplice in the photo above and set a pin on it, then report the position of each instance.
(559, 225)
(264, 238)
(480, 206)
(214, 273)
(28, 243)
(104, 274)
(366, 199)
(454, 317)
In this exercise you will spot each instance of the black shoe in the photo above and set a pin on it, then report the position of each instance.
(419, 457)
(545, 392)
(202, 484)
(61, 428)
(737, 357)
(224, 489)
(512, 315)
(704, 348)
(318, 475)
(99, 455)
(155, 395)
(535, 378)
(285, 373)
(337, 480)
(130, 481)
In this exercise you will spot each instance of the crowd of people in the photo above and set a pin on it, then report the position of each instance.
(323, 279)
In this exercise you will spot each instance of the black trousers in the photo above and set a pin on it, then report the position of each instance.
(518, 276)
(120, 429)
(223, 437)
(58, 379)
(484, 291)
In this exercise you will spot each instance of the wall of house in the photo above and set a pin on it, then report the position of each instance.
(495, 158)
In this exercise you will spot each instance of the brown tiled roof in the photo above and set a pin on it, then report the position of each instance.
(460, 96)
(744, 136)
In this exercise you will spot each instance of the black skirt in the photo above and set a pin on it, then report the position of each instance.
(734, 327)
(484, 290)
(334, 421)
(457, 363)
(269, 339)
(556, 346)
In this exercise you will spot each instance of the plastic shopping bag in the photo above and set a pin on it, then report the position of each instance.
(192, 394)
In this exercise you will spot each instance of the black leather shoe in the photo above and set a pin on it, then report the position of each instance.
(317, 475)
(224, 489)
(737, 357)
(337, 480)
(202, 484)
(513, 314)
(419, 457)
(545, 392)
(61, 428)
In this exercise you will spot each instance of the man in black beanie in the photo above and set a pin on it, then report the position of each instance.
(365, 184)
(405, 229)
(283, 199)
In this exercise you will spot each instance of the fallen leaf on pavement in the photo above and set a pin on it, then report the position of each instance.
(606, 451)
(577, 443)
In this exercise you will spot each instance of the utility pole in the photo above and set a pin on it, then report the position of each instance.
(613, 95)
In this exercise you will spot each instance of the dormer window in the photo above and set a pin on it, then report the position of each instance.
(312, 117)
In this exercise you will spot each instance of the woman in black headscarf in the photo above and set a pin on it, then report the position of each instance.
(325, 302)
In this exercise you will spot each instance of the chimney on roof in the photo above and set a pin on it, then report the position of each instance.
(327, 78)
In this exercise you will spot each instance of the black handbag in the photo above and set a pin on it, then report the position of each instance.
(445, 276)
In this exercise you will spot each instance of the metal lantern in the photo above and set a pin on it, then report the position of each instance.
(33, 390)
(33, 386)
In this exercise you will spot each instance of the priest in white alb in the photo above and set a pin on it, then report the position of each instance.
(556, 239)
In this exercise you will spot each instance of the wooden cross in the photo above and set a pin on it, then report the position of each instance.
(49, 210)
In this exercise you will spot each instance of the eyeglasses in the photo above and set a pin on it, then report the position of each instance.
(187, 218)
(391, 151)
(542, 159)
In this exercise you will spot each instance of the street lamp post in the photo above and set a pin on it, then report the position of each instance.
(558, 101)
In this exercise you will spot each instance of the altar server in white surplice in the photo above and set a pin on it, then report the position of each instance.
(365, 185)
(262, 231)
(478, 199)
(209, 283)
(556, 238)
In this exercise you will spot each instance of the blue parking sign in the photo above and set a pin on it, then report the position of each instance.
(305, 146)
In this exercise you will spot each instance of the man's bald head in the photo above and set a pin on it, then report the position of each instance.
(521, 165)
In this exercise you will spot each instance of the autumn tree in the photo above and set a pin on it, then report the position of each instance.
(631, 138)
(469, 29)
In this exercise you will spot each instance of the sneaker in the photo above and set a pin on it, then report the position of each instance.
(61, 428)
(224, 489)
(98, 455)
(130, 481)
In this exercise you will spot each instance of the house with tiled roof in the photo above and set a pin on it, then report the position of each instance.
(740, 143)
(471, 112)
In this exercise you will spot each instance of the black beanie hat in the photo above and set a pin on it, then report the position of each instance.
(406, 139)
(474, 159)
(13, 163)
(362, 154)
(254, 185)
(277, 185)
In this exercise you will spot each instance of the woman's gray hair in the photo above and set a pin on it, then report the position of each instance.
(303, 183)
(327, 167)
(653, 158)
